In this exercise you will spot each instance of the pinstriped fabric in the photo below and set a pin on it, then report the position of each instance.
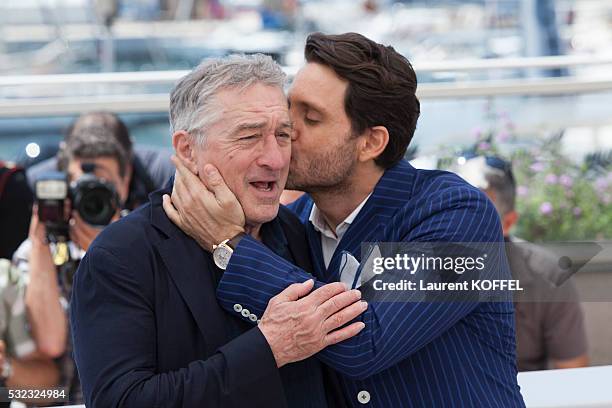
(409, 354)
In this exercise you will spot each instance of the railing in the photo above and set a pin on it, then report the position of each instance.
(158, 102)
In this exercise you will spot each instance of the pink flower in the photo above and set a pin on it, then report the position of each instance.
(546, 208)
(537, 167)
(503, 136)
(577, 212)
(484, 146)
(566, 180)
(601, 184)
(522, 191)
(550, 179)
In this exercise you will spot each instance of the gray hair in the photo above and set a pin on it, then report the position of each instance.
(93, 142)
(192, 101)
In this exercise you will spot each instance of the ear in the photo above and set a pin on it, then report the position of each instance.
(184, 145)
(375, 140)
(509, 220)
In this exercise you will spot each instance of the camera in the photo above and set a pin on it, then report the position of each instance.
(95, 200)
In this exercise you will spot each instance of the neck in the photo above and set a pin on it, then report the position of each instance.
(336, 204)
(253, 230)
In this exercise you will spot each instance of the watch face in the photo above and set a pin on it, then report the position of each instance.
(221, 256)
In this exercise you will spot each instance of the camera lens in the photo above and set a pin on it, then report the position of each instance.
(96, 206)
(95, 200)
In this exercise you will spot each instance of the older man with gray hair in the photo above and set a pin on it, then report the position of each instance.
(147, 328)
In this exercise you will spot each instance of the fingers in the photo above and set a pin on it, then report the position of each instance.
(324, 293)
(339, 302)
(216, 184)
(293, 292)
(171, 211)
(182, 168)
(345, 333)
(344, 316)
(187, 186)
(67, 207)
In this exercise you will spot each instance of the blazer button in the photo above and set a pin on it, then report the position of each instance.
(252, 317)
(245, 312)
(363, 397)
(237, 308)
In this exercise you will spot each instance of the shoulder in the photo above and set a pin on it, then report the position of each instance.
(301, 207)
(443, 183)
(445, 207)
(35, 171)
(129, 237)
(123, 258)
(156, 163)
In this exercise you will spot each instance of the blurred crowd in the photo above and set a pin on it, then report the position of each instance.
(51, 212)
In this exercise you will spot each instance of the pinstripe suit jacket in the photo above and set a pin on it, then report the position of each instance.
(443, 354)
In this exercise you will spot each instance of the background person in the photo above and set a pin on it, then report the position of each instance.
(550, 330)
(50, 285)
(22, 366)
(147, 169)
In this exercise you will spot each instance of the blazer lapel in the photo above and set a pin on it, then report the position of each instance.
(314, 243)
(188, 267)
(390, 194)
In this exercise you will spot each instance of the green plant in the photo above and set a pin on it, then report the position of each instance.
(557, 198)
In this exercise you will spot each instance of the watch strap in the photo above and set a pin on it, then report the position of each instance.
(233, 242)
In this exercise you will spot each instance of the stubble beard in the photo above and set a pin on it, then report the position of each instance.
(328, 172)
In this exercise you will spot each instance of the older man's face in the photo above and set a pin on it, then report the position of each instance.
(251, 146)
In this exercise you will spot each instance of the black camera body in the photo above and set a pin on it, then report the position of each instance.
(95, 200)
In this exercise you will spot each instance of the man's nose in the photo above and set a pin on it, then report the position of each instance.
(296, 125)
(272, 154)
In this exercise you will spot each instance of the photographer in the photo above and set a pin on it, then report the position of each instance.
(148, 168)
(21, 365)
(96, 168)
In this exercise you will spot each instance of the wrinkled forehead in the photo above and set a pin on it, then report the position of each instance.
(267, 107)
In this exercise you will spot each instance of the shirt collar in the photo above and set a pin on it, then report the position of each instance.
(318, 221)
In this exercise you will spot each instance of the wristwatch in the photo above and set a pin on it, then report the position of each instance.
(223, 251)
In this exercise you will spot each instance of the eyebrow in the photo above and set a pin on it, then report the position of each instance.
(259, 125)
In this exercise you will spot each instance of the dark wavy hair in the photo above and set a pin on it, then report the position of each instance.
(381, 87)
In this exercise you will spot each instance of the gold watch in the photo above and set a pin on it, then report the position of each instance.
(224, 250)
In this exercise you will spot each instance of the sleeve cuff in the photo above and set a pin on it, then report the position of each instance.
(250, 360)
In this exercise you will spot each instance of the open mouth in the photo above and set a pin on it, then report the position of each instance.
(264, 186)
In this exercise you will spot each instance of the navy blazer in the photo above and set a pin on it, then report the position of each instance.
(410, 354)
(147, 328)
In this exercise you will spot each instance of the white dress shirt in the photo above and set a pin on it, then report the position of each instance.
(330, 238)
